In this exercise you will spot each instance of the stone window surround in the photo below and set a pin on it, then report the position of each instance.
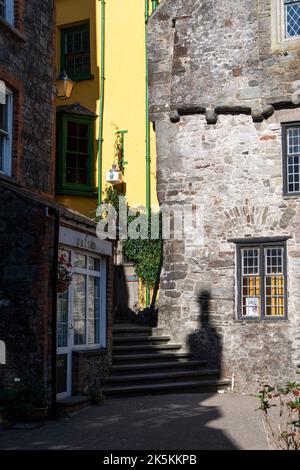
(279, 41)
(254, 243)
(16, 86)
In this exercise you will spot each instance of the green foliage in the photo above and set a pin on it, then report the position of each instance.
(112, 196)
(20, 402)
(119, 152)
(284, 434)
(145, 254)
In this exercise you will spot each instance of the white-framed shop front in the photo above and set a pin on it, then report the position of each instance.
(82, 309)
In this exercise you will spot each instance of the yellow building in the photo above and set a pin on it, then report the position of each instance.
(79, 49)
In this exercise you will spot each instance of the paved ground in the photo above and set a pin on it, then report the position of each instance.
(168, 422)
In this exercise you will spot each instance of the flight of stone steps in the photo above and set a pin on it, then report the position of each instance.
(146, 362)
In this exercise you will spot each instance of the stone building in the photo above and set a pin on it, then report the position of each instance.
(224, 91)
(37, 333)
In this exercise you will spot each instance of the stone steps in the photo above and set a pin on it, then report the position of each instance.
(162, 377)
(132, 340)
(146, 362)
(200, 386)
(157, 366)
(158, 357)
(125, 349)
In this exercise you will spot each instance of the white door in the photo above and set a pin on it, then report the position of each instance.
(64, 346)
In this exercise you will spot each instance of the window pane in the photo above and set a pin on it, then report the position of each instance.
(2, 8)
(292, 18)
(251, 288)
(62, 320)
(250, 260)
(79, 260)
(94, 264)
(77, 156)
(79, 313)
(3, 117)
(94, 310)
(293, 159)
(275, 282)
(77, 51)
(2, 143)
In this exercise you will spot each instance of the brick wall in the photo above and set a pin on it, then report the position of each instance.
(27, 58)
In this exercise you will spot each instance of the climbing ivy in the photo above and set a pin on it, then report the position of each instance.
(145, 254)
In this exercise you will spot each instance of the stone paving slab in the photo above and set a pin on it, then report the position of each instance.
(167, 422)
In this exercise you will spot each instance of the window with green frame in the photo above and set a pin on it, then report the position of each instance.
(75, 138)
(75, 52)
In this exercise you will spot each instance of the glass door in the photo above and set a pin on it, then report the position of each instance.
(64, 351)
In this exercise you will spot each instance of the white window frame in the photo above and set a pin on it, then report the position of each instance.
(9, 11)
(279, 39)
(102, 276)
(8, 134)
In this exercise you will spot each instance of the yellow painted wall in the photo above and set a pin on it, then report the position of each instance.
(124, 90)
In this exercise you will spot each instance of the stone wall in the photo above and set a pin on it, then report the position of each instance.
(219, 94)
(26, 240)
(27, 66)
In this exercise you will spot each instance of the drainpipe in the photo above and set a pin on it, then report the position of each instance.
(148, 152)
(154, 4)
(54, 313)
(101, 100)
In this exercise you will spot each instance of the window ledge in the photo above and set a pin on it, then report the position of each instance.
(90, 352)
(291, 196)
(82, 79)
(9, 179)
(76, 192)
(245, 321)
(12, 30)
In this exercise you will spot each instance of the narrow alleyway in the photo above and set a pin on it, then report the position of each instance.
(168, 422)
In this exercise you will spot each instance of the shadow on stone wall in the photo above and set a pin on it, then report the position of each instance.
(205, 342)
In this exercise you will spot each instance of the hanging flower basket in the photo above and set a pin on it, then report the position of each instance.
(62, 286)
(64, 274)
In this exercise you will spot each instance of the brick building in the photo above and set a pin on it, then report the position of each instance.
(39, 339)
(224, 100)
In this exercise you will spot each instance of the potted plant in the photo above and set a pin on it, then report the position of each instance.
(64, 274)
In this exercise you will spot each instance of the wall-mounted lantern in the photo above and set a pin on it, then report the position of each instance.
(114, 176)
(64, 86)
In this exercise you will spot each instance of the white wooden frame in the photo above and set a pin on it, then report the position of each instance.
(102, 276)
(84, 347)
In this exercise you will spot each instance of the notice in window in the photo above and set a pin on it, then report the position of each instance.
(252, 307)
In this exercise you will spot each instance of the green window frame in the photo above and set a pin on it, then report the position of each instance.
(79, 148)
(76, 52)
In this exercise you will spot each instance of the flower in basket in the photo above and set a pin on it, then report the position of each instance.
(64, 273)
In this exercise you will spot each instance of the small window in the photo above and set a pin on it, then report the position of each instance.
(291, 158)
(75, 52)
(75, 154)
(7, 10)
(262, 281)
(292, 18)
(6, 117)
